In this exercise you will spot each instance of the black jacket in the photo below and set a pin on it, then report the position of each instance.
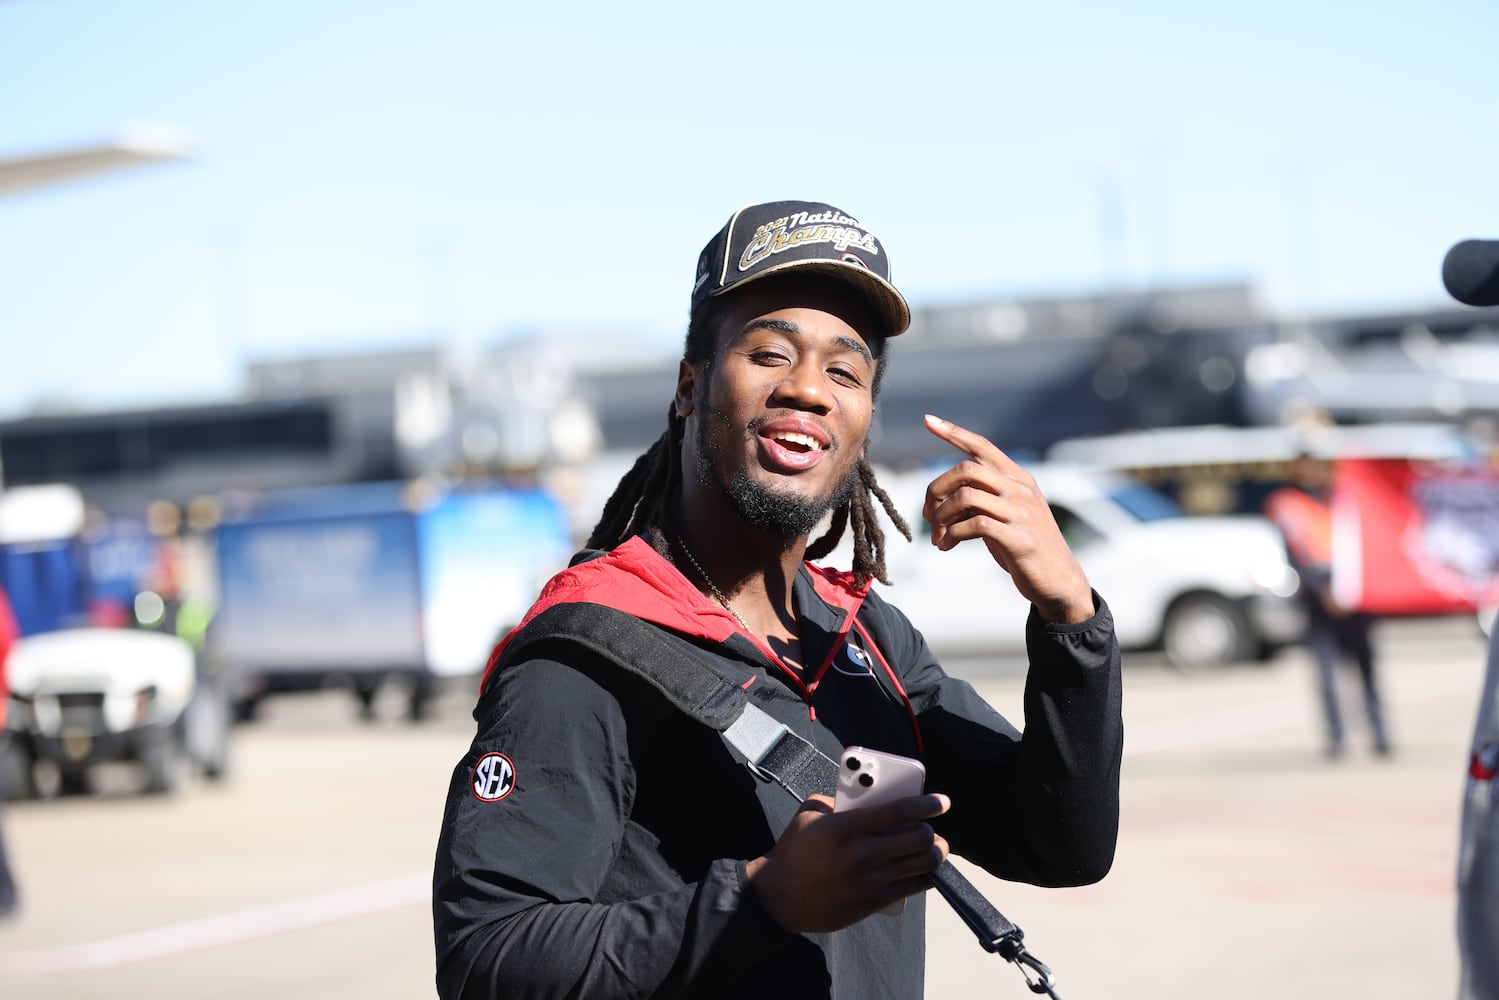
(594, 839)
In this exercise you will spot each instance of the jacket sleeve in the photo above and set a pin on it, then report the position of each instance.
(1042, 807)
(522, 875)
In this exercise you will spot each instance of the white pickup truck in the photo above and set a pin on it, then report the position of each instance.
(1205, 590)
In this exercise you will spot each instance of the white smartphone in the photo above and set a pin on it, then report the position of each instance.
(872, 777)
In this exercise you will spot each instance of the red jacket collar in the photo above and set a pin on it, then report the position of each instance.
(635, 579)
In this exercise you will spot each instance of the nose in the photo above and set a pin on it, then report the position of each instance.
(804, 388)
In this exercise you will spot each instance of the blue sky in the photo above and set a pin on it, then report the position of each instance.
(377, 174)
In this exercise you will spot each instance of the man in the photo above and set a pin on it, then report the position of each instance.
(1333, 633)
(599, 843)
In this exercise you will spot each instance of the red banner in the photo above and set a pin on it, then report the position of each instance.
(1413, 537)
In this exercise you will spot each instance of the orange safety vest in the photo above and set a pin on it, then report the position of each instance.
(1305, 521)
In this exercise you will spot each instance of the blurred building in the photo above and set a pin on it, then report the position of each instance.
(1435, 365)
(1026, 373)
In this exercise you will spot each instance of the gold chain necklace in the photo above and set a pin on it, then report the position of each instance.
(712, 587)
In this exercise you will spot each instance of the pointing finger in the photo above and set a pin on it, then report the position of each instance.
(976, 446)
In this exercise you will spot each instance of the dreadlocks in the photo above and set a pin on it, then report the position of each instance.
(641, 503)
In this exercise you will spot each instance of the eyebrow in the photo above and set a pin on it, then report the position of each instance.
(784, 326)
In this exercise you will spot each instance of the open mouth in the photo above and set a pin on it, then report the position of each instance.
(788, 449)
(800, 443)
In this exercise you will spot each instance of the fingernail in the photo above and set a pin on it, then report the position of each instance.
(935, 421)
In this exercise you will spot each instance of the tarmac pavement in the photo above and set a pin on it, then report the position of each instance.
(1248, 866)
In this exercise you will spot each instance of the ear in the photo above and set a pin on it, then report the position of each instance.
(685, 401)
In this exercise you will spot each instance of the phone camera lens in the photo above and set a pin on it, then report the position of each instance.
(866, 779)
(852, 763)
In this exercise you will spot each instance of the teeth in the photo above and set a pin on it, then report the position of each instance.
(805, 440)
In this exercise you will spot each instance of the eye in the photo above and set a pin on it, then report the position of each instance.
(846, 374)
(765, 356)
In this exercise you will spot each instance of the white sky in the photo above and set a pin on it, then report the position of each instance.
(381, 174)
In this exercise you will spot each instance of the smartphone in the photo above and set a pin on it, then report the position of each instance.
(872, 777)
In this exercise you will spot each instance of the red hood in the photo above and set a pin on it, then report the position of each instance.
(635, 579)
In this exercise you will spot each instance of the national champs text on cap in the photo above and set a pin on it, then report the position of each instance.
(775, 237)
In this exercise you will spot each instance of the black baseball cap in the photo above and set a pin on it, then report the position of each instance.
(779, 236)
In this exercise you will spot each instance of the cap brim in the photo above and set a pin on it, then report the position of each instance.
(889, 305)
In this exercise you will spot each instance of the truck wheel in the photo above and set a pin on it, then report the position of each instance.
(247, 708)
(419, 700)
(74, 781)
(15, 770)
(162, 758)
(1206, 630)
(366, 690)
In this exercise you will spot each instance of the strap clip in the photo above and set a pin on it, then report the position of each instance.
(1044, 979)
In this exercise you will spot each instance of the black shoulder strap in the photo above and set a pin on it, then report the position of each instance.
(770, 748)
(693, 686)
(697, 688)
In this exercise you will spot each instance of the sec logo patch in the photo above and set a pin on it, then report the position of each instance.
(492, 778)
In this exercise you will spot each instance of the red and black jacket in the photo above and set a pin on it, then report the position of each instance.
(595, 837)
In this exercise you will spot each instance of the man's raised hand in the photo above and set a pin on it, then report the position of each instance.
(989, 495)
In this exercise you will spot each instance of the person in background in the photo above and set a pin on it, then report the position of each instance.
(9, 901)
(1333, 633)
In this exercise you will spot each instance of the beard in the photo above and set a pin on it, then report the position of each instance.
(759, 505)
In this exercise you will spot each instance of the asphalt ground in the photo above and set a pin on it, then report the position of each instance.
(1248, 865)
